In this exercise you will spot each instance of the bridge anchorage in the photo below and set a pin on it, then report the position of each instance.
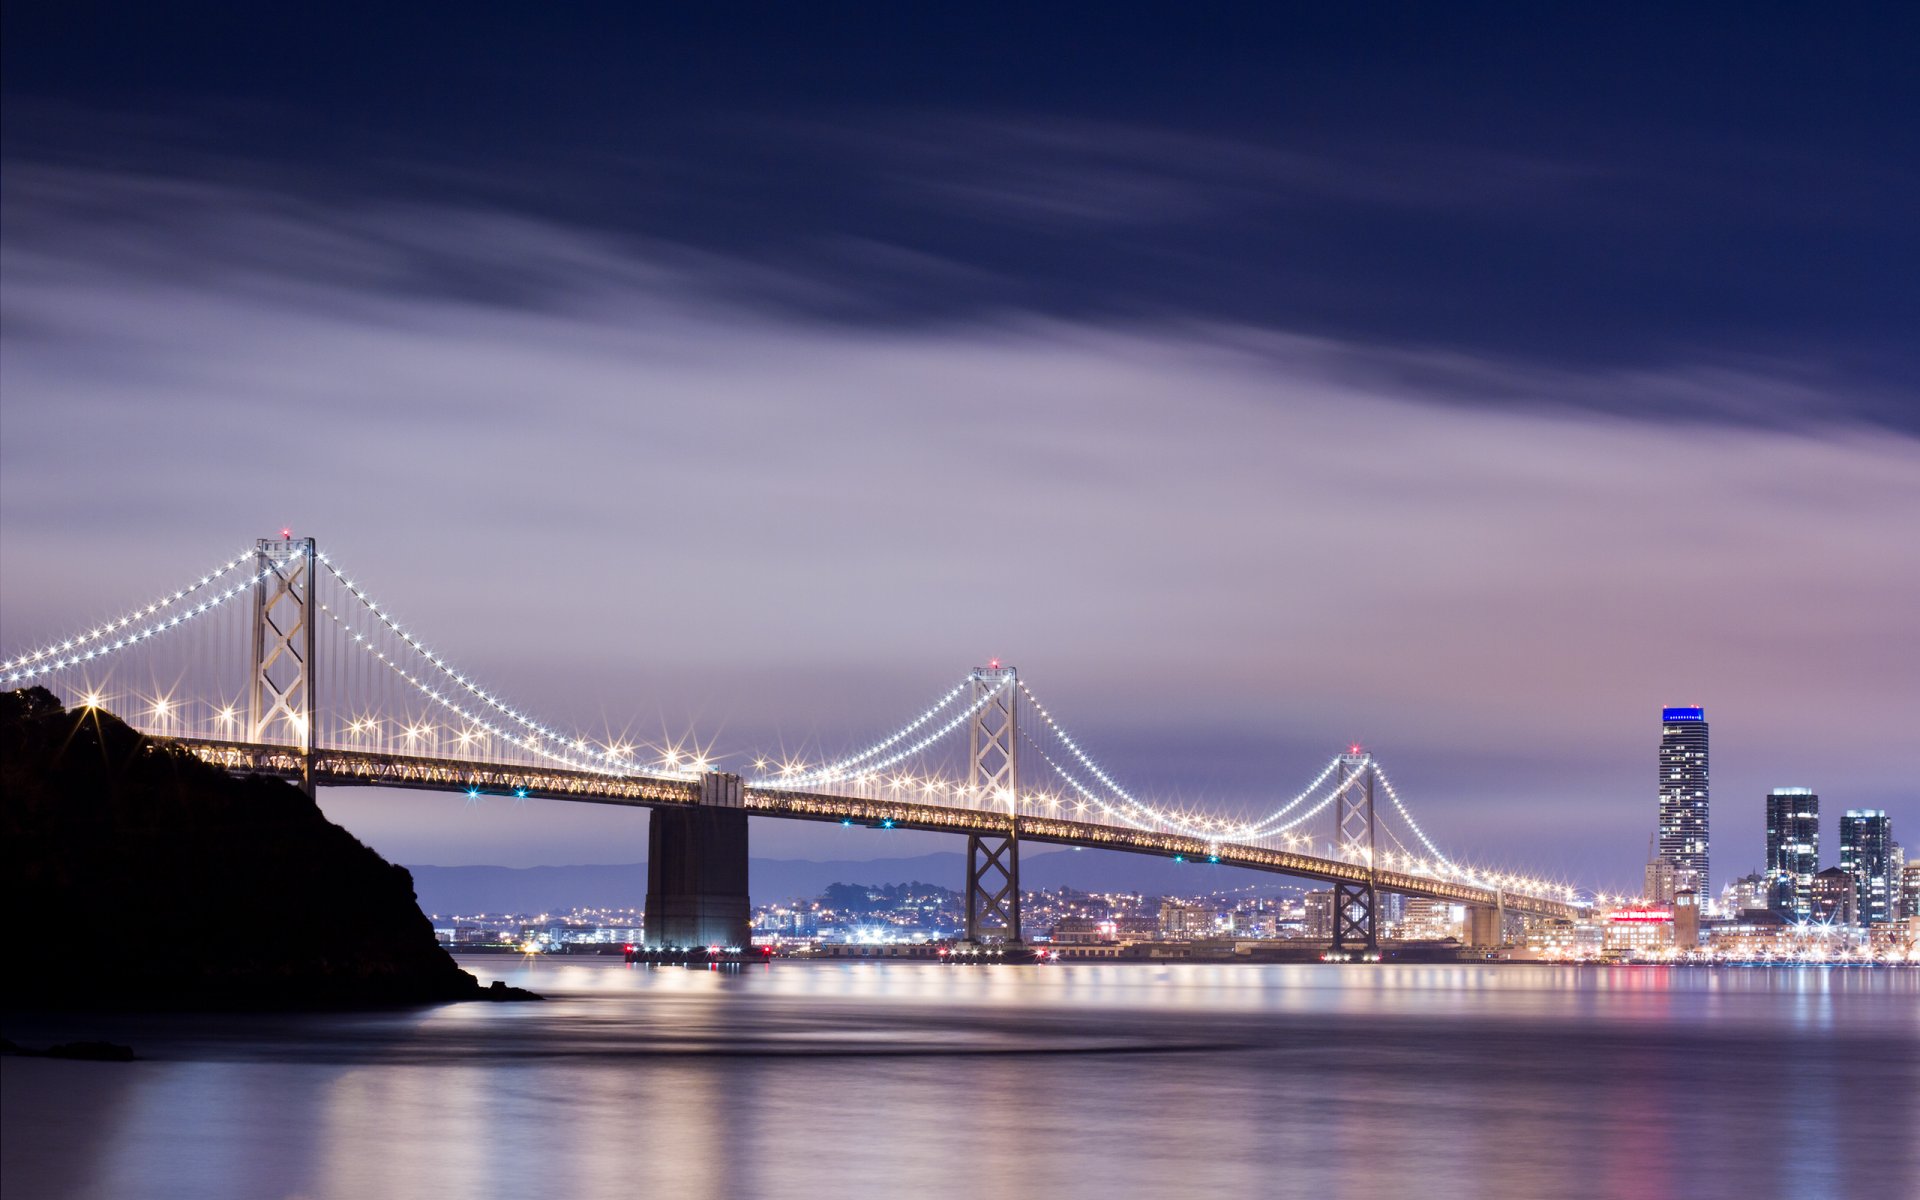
(310, 680)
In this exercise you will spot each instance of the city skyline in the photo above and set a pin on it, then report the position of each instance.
(748, 452)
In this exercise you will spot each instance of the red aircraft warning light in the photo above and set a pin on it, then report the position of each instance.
(993, 664)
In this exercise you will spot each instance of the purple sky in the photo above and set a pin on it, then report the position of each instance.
(643, 480)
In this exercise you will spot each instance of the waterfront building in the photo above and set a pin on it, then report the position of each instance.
(1085, 931)
(1756, 933)
(1833, 897)
(1866, 844)
(1683, 800)
(1428, 920)
(1910, 890)
(1793, 848)
(1564, 941)
(1686, 919)
(1638, 929)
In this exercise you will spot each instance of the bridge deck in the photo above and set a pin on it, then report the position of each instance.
(357, 768)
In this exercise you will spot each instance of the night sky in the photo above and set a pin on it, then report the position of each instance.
(1470, 381)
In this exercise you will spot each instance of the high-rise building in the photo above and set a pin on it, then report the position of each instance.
(1793, 849)
(1683, 798)
(1866, 845)
(1896, 883)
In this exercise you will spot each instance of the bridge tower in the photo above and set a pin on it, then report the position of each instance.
(1355, 904)
(280, 676)
(993, 860)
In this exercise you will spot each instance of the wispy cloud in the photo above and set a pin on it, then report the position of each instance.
(1067, 173)
(625, 490)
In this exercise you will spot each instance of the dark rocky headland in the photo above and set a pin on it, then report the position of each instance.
(144, 879)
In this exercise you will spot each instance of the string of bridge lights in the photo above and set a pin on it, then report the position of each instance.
(577, 744)
(1077, 786)
(528, 743)
(789, 780)
(158, 627)
(138, 614)
(1263, 827)
(1317, 809)
(1408, 818)
(843, 767)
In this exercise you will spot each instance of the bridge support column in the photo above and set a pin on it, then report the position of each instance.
(993, 888)
(697, 870)
(1483, 926)
(1354, 929)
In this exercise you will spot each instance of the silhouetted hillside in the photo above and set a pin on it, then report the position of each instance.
(138, 877)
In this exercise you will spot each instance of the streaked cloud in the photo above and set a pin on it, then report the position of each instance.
(601, 472)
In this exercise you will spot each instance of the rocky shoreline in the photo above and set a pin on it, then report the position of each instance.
(230, 894)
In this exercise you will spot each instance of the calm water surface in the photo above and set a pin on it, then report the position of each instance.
(1106, 1081)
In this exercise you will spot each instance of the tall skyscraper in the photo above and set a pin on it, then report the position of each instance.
(1866, 844)
(1683, 798)
(1793, 849)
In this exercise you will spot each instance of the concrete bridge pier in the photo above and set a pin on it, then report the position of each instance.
(1483, 926)
(697, 870)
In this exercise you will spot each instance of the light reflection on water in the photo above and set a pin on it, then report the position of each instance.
(1103, 1080)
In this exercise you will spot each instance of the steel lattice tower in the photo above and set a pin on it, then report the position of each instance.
(280, 679)
(993, 861)
(1355, 904)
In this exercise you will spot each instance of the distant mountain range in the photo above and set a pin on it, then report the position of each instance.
(449, 890)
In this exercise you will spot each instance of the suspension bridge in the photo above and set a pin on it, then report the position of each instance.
(278, 663)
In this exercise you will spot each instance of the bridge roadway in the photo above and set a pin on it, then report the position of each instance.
(366, 768)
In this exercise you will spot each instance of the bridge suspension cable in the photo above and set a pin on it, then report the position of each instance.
(569, 746)
(1411, 823)
(535, 745)
(62, 655)
(1264, 827)
(840, 771)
